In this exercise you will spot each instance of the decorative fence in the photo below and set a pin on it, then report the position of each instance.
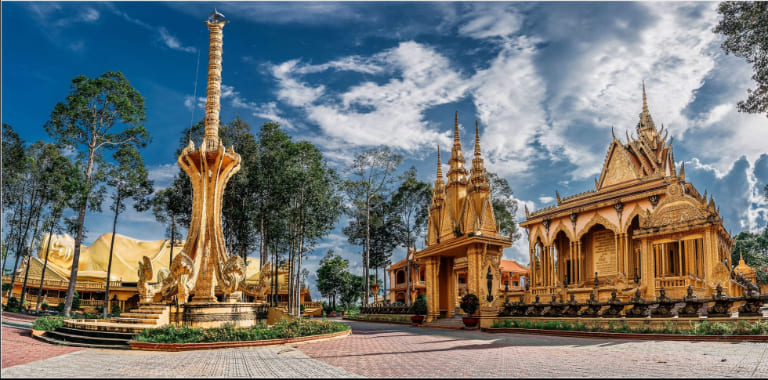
(386, 309)
(62, 284)
(661, 307)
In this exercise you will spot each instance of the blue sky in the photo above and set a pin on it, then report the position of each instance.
(546, 81)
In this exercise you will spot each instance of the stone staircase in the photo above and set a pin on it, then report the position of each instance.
(454, 323)
(113, 333)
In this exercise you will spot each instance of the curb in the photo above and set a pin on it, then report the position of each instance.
(250, 343)
(589, 334)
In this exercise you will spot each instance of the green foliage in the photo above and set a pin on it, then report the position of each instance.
(76, 300)
(116, 310)
(372, 173)
(504, 206)
(12, 304)
(754, 248)
(103, 113)
(332, 276)
(45, 306)
(419, 306)
(382, 318)
(745, 27)
(48, 323)
(294, 328)
(469, 303)
(6, 286)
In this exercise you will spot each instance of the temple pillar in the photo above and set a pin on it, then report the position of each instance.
(431, 272)
(647, 263)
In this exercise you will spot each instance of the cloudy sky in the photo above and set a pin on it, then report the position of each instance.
(546, 82)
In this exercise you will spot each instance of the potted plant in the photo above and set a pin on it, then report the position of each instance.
(470, 303)
(418, 309)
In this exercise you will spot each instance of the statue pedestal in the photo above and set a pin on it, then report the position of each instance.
(216, 314)
(487, 317)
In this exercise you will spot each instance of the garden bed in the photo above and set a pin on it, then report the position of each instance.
(641, 336)
(383, 318)
(231, 344)
(724, 330)
(178, 338)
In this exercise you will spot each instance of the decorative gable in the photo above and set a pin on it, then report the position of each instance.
(617, 167)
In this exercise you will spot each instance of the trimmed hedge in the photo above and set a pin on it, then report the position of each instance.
(229, 333)
(696, 328)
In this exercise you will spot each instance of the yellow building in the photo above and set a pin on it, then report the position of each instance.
(92, 272)
(463, 242)
(642, 226)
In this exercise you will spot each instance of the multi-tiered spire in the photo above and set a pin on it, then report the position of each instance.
(215, 24)
(478, 178)
(438, 194)
(457, 172)
(645, 126)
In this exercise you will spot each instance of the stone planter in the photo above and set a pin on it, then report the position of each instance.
(470, 323)
(417, 319)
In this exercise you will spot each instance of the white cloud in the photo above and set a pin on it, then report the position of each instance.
(172, 42)
(485, 21)
(546, 199)
(162, 174)
(370, 114)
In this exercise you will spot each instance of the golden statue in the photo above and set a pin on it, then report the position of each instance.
(127, 252)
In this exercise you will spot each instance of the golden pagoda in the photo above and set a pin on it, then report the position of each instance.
(463, 241)
(643, 226)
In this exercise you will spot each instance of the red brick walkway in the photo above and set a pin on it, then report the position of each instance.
(20, 348)
(380, 350)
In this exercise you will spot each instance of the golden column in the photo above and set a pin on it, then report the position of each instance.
(204, 263)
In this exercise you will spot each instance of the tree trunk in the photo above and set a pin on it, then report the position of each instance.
(367, 281)
(408, 267)
(45, 263)
(111, 249)
(20, 243)
(79, 235)
(29, 252)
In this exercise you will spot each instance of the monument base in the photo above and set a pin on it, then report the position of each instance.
(217, 314)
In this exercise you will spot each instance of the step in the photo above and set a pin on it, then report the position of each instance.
(77, 344)
(69, 337)
(139, 315)
(97, 333)
(144, 321)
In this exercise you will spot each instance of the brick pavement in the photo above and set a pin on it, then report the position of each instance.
(20, 348)
(379, 350)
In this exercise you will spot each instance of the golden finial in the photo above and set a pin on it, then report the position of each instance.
(682, 171)
(477, 140)
(645, 101)
(456, 139)
(439, 165)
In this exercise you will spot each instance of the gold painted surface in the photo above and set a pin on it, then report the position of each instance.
(604, 247)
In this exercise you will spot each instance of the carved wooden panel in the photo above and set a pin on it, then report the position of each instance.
(618, 168)
(604, 249)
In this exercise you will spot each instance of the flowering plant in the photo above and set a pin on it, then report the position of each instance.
(470, 303)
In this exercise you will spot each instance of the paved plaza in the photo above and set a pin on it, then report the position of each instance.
(382, 350)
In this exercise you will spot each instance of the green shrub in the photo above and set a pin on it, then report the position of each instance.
(12, 304)
(419, 307)
(116, 310)
(48, 323)
(470, 303)
(284, 329)
(45, 306)
(6, 286)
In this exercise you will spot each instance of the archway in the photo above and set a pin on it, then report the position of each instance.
(600, 255)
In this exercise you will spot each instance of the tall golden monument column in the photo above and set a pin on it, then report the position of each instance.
(204, 263)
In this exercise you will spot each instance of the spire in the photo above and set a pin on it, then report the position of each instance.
(439, 189)
(439, 165)
(456, 138)
(477, 140)
(645, 126)
(215, 24)
(478, 178)
(457, 172)
(682, 171)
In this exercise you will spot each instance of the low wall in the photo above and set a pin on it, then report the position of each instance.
(682, 324)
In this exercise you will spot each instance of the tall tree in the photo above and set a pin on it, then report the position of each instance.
(504, 206)
(331, 276)
(13, 170)
(51, 172)
(372, 173)
(99, 114)
(745, 27)
(130, 181)
(313, 208)
(169, 208)
(411, 205)
(31, 200)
